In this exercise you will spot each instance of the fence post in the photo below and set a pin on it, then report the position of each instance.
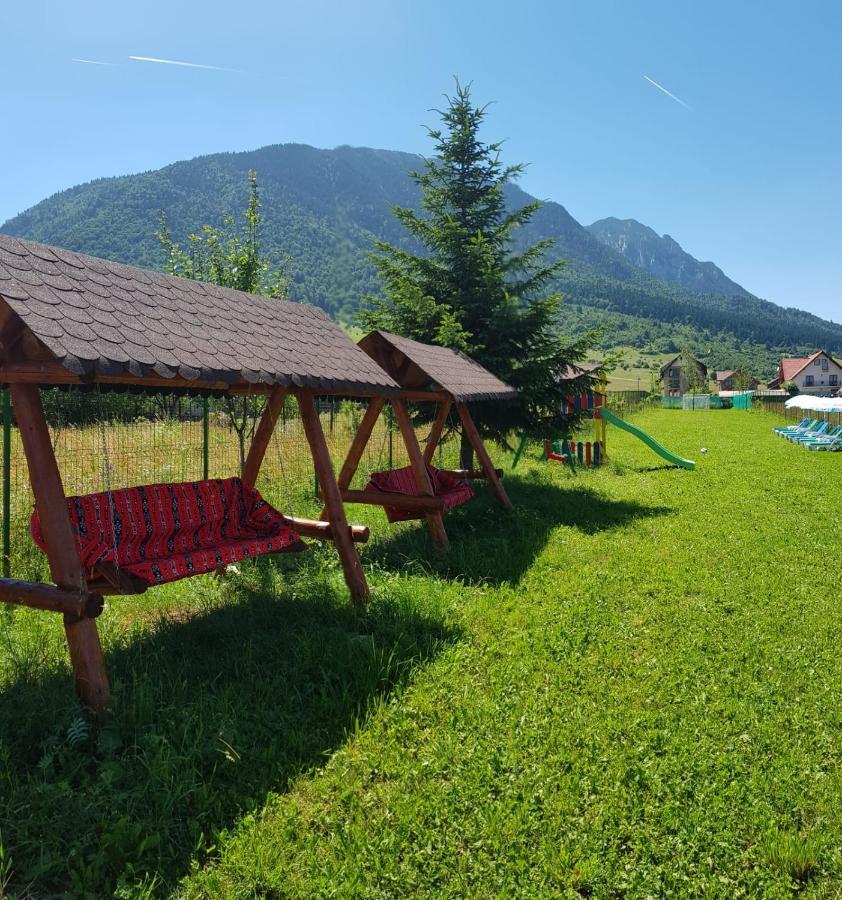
(7, 482)
(205, 438)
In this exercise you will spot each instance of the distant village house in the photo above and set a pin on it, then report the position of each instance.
(725, 381)
(674, 379)
(816, 374)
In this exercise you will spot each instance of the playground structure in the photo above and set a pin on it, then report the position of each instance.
(594, 453)
(588, 453)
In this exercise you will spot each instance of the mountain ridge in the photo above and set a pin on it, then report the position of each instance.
(663, 256)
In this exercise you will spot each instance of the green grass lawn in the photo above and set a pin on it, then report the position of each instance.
(630, 686)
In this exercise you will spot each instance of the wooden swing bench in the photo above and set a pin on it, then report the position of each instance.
(392, 488)
(134, 538)
(69, 319)
(432, 374)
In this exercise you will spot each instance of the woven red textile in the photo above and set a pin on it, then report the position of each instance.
(163, 532)
(454, 490)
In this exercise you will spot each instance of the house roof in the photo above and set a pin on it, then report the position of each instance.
(793, 365)
(721, 376)
(568, 373)
(427, 367)
(103, 320)
(667, 364)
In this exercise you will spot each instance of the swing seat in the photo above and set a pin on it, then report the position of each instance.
(157, 533)
(454, 491)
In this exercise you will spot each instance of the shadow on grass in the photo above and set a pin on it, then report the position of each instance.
(658, 468)
(211, 714)
(494, 545)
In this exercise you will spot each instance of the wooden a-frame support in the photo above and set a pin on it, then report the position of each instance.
(419, 460)
(482, 455)
(82, 637)
(340, 532)
(342, 537)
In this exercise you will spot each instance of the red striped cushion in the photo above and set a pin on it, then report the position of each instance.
(454, 490)
(163, 532)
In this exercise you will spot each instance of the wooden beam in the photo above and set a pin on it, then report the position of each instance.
(434, 436)
(52, 373)
(49, 373)
(260, 441)
(354, 576)
(411, 502)
(108, 578)
(470, 474)
(45, 596)
(66, 570)
(358, 445)
(321, 531)
(419, 470)
(425, 396)
(482, 455)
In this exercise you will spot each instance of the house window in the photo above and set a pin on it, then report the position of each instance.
(809, 381)
(824, 363)
(816, 362)
(834, 380)
(673, 373)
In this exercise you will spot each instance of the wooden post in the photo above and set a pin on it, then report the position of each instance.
(419, 469)
(409, 502)
(358, 445)
(354, 576)
(260, 441)
(82, 636)
(435, 432)
(482, 455)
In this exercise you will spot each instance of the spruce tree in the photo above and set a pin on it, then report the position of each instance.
(470, 288)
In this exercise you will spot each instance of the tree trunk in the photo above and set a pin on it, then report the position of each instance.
(466, 452)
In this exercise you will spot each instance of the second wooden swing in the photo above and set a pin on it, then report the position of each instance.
(432, 374)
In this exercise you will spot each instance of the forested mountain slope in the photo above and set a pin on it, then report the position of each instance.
(323, 210)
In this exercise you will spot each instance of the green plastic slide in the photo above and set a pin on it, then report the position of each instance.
(650, 442)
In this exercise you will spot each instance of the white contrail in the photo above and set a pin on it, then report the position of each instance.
(660, 87)
(176, 62)
(92, 62)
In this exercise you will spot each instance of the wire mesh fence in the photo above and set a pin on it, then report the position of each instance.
(108, 441)
(622, 402)
(794, 414)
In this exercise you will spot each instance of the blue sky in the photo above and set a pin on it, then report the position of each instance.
(747, 173)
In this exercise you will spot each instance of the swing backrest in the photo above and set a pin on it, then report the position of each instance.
(160, 521)
(453, 490)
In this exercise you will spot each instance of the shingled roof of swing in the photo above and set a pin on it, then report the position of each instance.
(101, 318)
(435, 368)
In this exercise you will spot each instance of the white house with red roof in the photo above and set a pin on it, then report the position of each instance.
(816, 374)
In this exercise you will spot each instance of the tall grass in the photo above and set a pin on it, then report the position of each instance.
(628, 686)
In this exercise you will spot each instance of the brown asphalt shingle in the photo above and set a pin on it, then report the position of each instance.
(104, 318)
(439, 367)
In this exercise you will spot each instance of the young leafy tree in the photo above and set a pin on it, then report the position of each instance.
(470, 289)
(230, 257)
(743, 379)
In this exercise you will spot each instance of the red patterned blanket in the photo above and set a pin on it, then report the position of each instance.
(454, 490)
(163, 532)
